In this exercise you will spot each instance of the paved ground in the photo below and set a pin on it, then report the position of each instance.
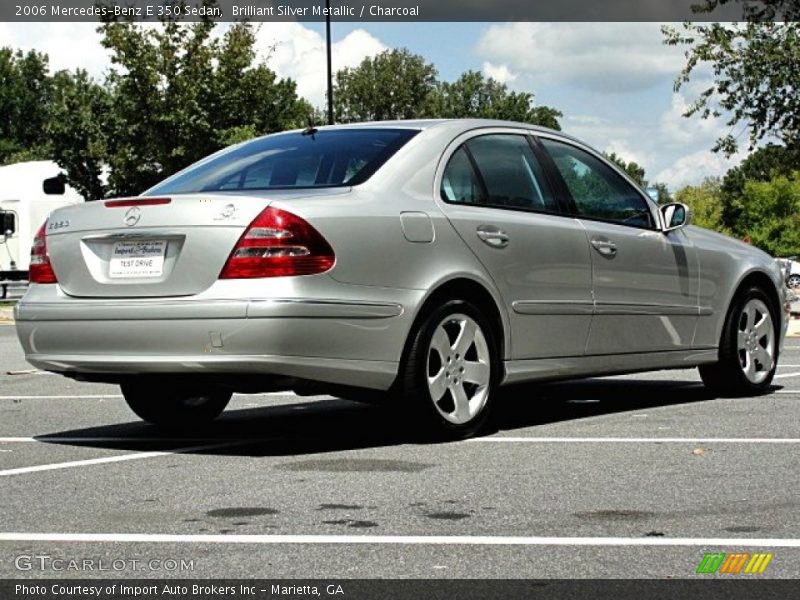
(618, 477)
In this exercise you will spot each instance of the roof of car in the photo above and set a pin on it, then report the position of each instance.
(456, 124)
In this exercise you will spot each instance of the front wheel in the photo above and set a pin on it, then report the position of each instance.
(174, 404)
(452, 371)
(748, 353)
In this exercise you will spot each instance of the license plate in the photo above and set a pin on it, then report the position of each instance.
(137, 260)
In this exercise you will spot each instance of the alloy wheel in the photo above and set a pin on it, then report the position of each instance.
(458, 369)
(756, 341)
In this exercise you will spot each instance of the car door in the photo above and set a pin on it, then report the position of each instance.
(645, 281)
(496, 195)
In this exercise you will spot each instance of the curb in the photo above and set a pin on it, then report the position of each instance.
(7, 315)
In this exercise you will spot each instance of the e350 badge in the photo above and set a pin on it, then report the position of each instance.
(56, 225)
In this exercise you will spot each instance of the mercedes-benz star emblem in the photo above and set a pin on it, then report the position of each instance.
(132, 216)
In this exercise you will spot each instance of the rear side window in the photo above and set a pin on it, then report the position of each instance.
(459, 182)
(506, 174)
(327, 158)
(598, 191)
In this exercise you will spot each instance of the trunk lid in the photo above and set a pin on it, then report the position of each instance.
(148, 248)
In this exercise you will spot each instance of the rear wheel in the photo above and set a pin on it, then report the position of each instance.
(452, 371)
(748, 353)
(174, 404)
(793, 281)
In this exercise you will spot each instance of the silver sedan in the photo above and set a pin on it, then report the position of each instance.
(423, 262)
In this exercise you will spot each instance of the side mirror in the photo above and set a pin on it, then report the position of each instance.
(8, 224)
(674, 216)
(55, 186)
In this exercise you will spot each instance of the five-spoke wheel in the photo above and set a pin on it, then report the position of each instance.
(458, 369)
(748, 351)
(451, 370)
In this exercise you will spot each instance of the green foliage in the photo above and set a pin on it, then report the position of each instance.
(764, 10)
(756, 68)
(662, 193)
(633, 170)
(706, 203)
(394, 84)
(770, 214)
(766, 162)
(768, 211)
(76, 130)
(637, 173)
(397, 84)
(472, 95)
(177, 94)
(25, 90)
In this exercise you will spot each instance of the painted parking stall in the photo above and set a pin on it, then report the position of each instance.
(640, 474)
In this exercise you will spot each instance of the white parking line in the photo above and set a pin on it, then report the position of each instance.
(782, 375)
(120, 458)
(74, 439)
(64, 397)
(627, 440)
(114, 396)
(419, 540)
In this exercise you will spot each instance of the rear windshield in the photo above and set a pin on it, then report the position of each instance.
(329, 158)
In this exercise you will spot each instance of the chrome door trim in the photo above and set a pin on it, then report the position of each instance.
(543, 307)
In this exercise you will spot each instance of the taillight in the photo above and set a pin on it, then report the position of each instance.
(40, 269)
(278, 244)
(137, 202)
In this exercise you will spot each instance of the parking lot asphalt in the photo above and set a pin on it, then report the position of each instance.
(634, 476)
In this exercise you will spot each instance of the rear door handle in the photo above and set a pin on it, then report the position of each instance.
(605, 247)
(493, 236)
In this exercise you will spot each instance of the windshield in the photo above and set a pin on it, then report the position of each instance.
(324, 158)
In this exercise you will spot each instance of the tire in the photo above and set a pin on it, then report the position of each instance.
(449, 381)
(174, 404)
(793, 281)
(748, 352)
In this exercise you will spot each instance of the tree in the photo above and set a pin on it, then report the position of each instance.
(770, 214)
(25, 90)
(637, 173)
(394, 84)
(764, 10)
(631, 168)
(705, 202)
(174, 95)
(472, 95)
(179, 94)
(764, 164)
(756, 68)
(76, 129)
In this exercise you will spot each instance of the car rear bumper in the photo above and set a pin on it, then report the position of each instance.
(341, 341)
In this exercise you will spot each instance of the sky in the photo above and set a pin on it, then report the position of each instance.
(613, 81)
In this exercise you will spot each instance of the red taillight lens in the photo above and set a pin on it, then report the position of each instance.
(40, 269)
(278, 244)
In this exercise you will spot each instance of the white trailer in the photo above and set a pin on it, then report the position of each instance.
(29, 192)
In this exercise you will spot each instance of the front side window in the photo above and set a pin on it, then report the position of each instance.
(598, 191)
(326, 158)
(506, 174)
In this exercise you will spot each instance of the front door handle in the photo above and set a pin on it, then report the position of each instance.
(493, 236)
(605, 247)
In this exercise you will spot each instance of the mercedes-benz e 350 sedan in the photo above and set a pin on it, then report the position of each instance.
(433, 261)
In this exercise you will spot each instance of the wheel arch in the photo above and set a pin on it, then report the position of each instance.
(463, 288)
(763, 281)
